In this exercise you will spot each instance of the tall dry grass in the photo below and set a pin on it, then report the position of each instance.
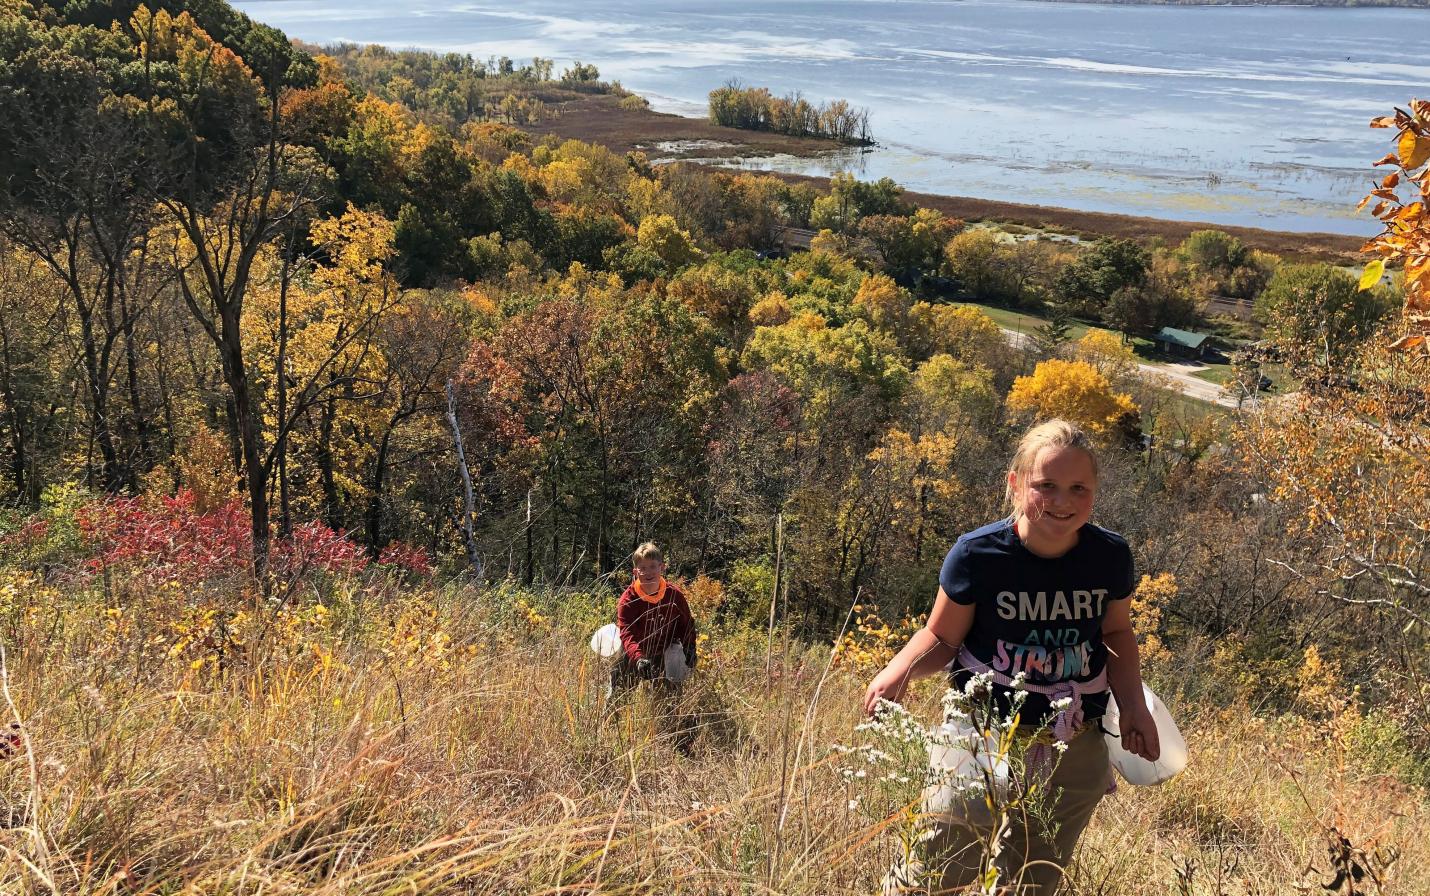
(454, 741)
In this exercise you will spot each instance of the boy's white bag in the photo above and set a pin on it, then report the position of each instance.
(606, 641)
(675, 669)
(1133, 768)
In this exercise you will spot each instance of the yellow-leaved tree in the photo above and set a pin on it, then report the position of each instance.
(661, 235)
(1107, 352)
(961, 331)
(320, 327)
(883, 302)
(1074, 390)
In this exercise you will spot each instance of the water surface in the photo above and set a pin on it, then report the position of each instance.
(1235, 115)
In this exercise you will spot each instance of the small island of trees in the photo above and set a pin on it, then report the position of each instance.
(756, 109)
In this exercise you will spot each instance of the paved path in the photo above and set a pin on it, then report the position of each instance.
(1182, 378)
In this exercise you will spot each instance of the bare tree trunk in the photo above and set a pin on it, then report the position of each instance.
(246, 427)
(96, 370)
(166, 400)
(528, 569)
(376, 541)
(326, 474)
(142, 429)
(555, 531)
(469, 502)
(775, 591)
(285, 516)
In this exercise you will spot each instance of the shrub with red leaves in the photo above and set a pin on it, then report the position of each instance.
(314, 546)
(167, 538)
(170, 539)
(411, 558)
(28, 536)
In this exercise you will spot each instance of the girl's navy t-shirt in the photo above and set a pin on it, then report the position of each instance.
(1036, 615)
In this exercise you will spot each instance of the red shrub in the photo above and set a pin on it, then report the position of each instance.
(401, 555)
(315, 546)
(170, 539)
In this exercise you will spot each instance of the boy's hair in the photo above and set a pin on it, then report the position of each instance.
(648, 551)
(1054, 433)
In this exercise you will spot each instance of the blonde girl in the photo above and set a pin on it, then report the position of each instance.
(1045, 593)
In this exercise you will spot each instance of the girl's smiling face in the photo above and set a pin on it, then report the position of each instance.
(1054, 499)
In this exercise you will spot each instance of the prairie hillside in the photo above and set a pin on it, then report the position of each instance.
(336, 390)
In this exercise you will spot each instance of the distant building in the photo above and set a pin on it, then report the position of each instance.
(1183, 343)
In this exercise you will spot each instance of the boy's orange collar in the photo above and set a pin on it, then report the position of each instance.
(649, 598)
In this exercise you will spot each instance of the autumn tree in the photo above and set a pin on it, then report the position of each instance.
(1405, 237)
(32, 374)
(77, 179)
(663, 237)
(1231, 267)
(1108, 354)
(1109, 265)
(754, 452)
(961, 331)
(1318, 314)
(909, 242)
(849, 200)
(883, 303)
(327, 408)
(613, 381)
(1348, 462)
(950, 407)
(1073, 390)
(722, 295)
(755, 210)
(978, 260)
(236, 187)
(1349, 467)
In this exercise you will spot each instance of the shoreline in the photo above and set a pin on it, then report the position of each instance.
(600, 120)
(1291, 245)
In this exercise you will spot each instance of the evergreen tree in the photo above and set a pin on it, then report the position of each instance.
(1048, 338)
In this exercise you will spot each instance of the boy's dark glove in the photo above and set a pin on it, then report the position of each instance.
(645, 668)
(690, 655)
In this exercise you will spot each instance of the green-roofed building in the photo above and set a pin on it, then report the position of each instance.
(1183, 343)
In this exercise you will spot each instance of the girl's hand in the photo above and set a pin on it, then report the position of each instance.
(889, 684)
(1139, 734)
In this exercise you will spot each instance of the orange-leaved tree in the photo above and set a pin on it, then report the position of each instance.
(1405, 239)
(1349, 462)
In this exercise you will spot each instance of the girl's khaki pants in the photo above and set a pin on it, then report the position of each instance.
(1038, 842)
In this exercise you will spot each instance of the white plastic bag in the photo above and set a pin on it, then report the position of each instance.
(1133, 768)
(963, 762)
(606, 641)
(675, 669)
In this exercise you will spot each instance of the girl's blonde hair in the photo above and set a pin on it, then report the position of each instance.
(1055, 433)
(648, 551)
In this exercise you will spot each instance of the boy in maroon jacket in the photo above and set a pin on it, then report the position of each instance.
(651, 616)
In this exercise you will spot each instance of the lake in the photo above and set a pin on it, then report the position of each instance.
(1234, 115)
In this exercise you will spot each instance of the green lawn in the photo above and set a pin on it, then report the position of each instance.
(1197, 409)
(1026, 322)
(1281, 378)
(1022, 321)
(1215, 373)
